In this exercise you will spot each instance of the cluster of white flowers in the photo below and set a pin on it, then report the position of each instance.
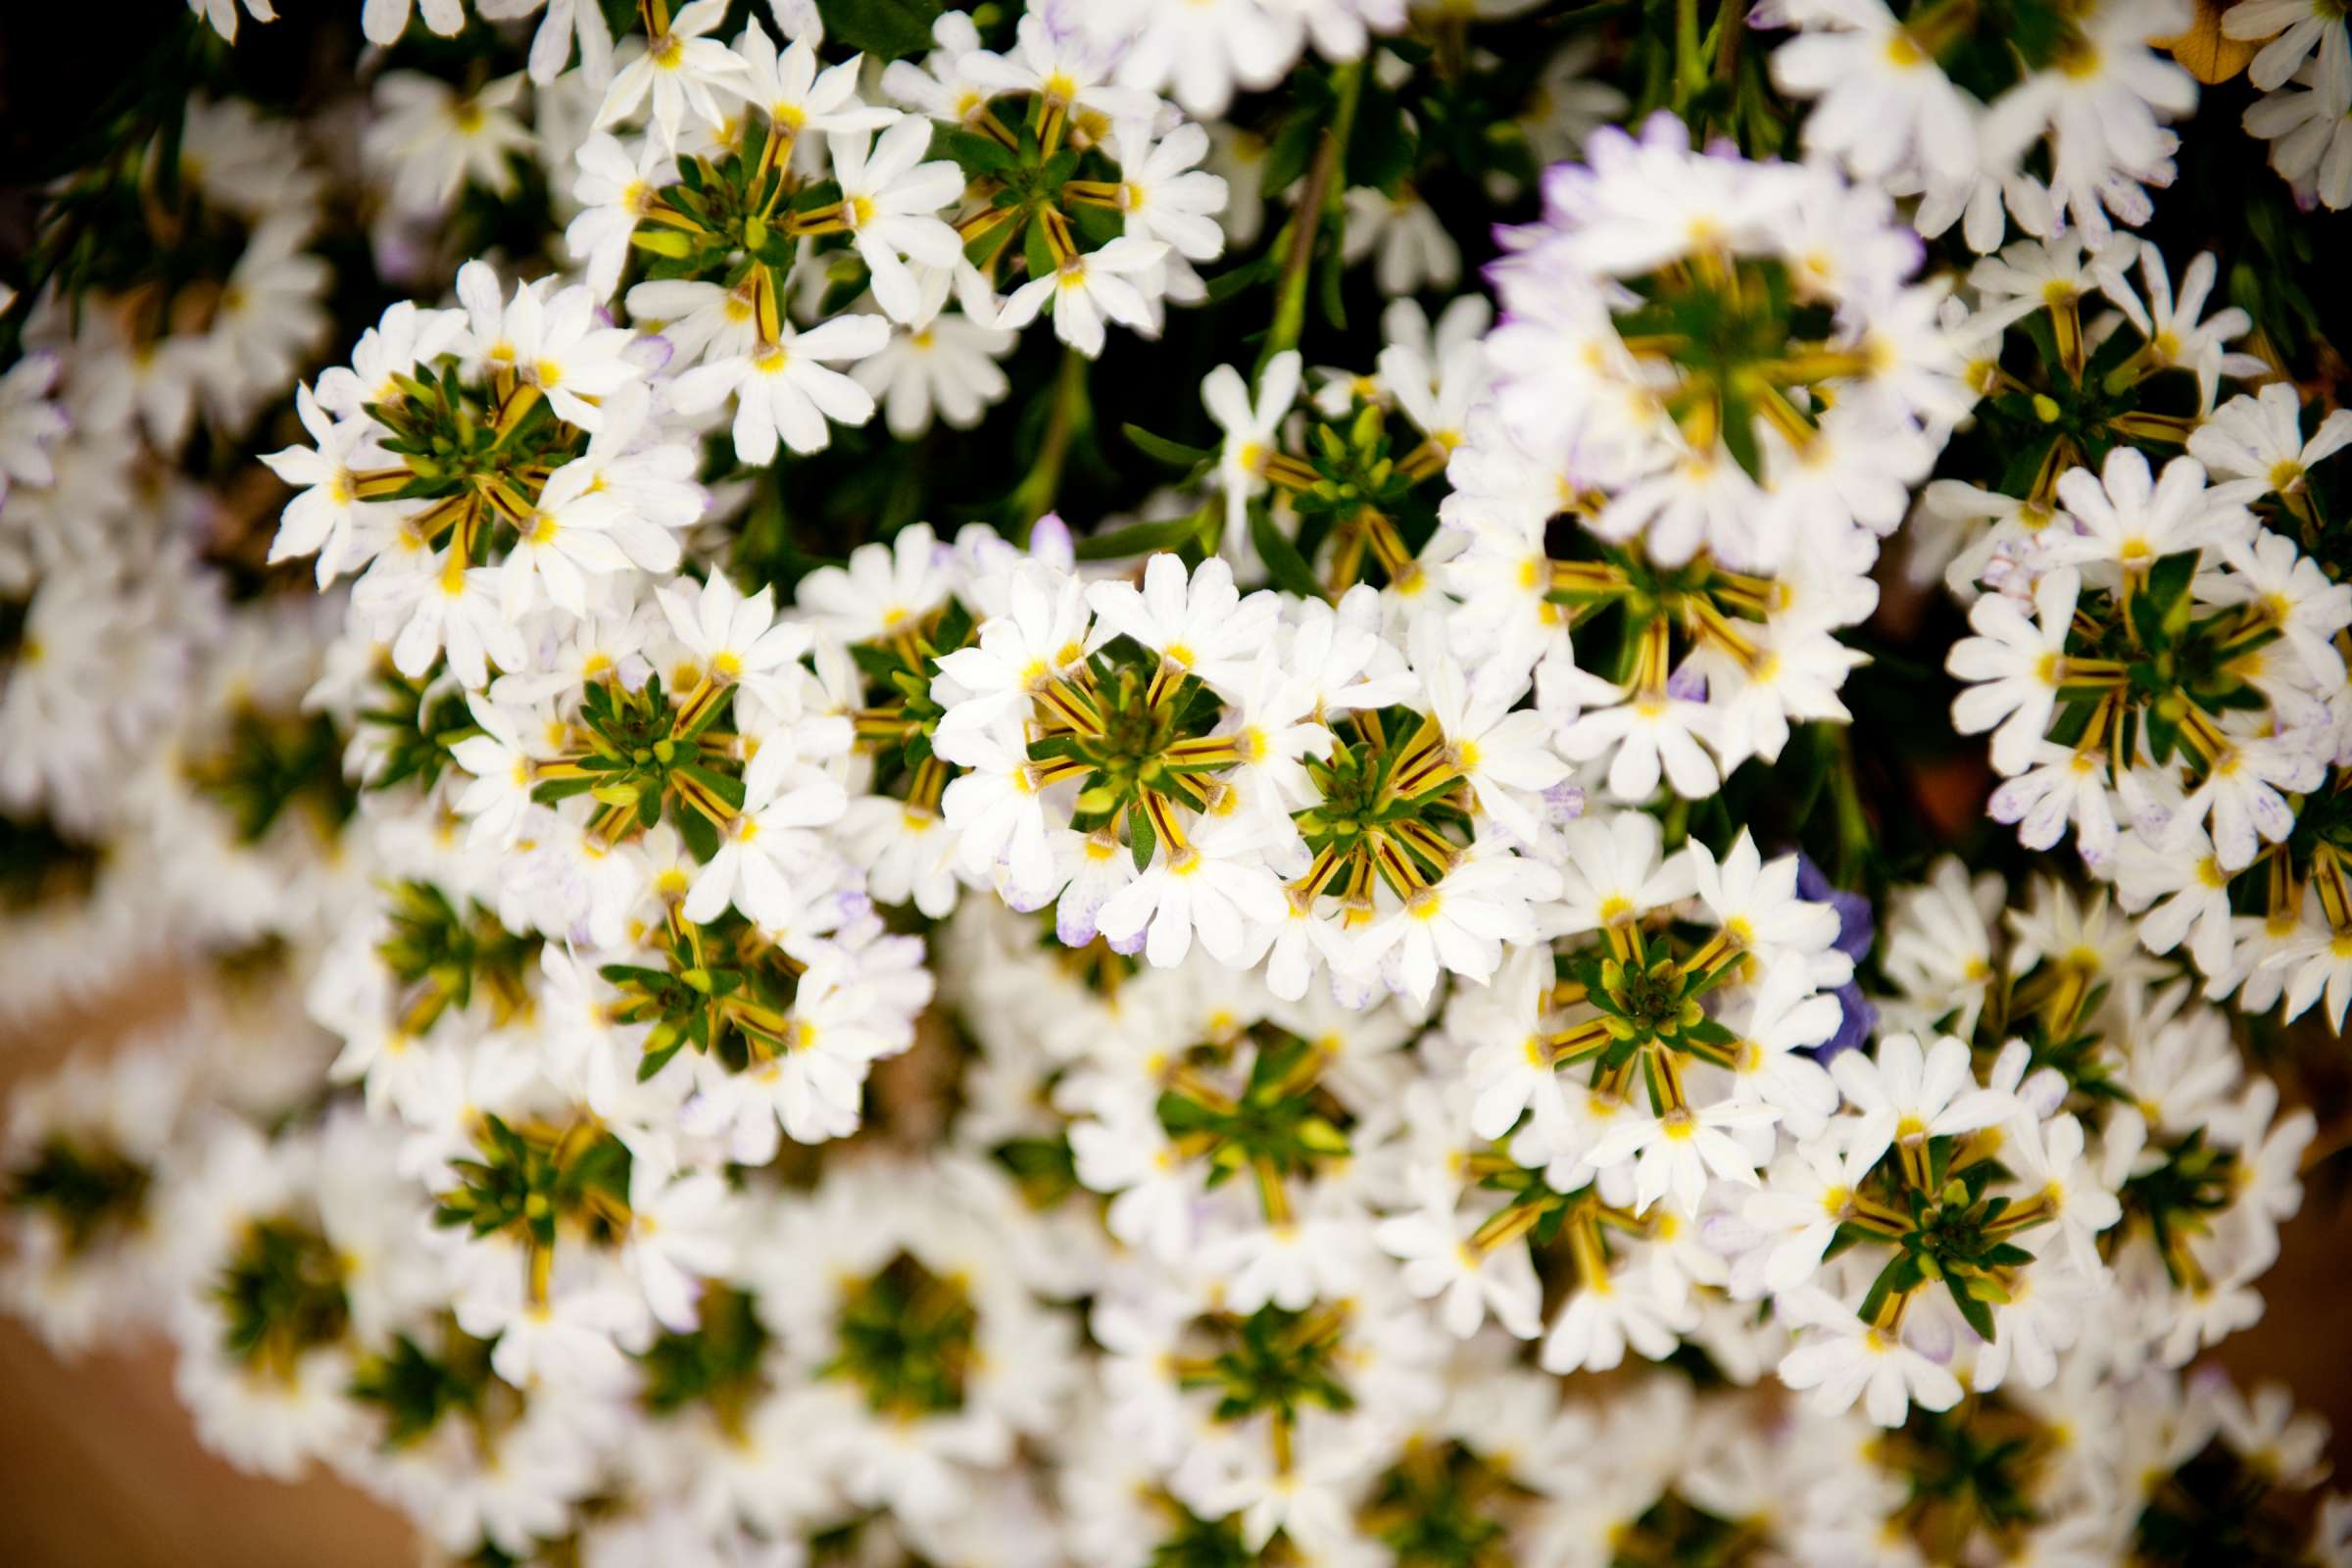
(2159, 670)
(757, 994)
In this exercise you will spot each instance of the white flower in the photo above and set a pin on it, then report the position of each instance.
(1843, 1358)
(1086, 288)
(765, 849)
(938, 86)
(2242, 797)
(2053, 275)
(1674, 1153)
(29, 422)
(681, 1232)
(1163, 196)
(1882, 100)
(1201, 624)
(2255, 444)
(943, 362)
(2101, 110)
(788, 387)
(1215, 886)
(2290, 588)
(810, 1091)
(558, 343)
(2311, 139)
(1758, 904)
(736, 639)
(1310, 1501)
(503, 769)
(2047, 1157)
(430, 140)
(1132, 1158)
(436, 603)
(1929, 1094)
(1460, 922)
(998, 815)
(384, 20)
(1646, 735)
(890, 202)
(1786, 1017)
(1252, 430)
(796, 96)
(882, 588)
(2294, 28)
(221, 14)
(1605, 1315)
(551, 45)
(2176, 337)
(577, 526)
(323, 519)
(404, 339)
(2060, 784)
(2015, 667)
(1809, 1192)
(1057, 65)
(699, 322)
(1414, 251)
(1510, 1069)
(1439, 1260)
(1202, 52)
(679, 68)
(1042, 635)
(569, 1340)
(270, 321)
(1505, 752)
(615, 192)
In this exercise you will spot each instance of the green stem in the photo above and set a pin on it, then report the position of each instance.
(1676, 823)
(1723, 38)
(1325, 194)
(1853, 827)
(1034, 495)
(1689, 59)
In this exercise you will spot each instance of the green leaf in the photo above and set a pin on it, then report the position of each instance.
(729, 790)
(1381, 146)
(1321, 1136)
(1740, 436)
(1889, 1280)
(2164, 733)
(559, 789)
(1173, 453)
(1294, 145)
(979, 157)
(668, 242)
(1284, 564)
(1142, 539)
(1233, 280)
(1037, 253)
(1144, 840)
(702, 839)
(2167, 589)
(1179, 1114)
(887, 30)
(1979, 1315)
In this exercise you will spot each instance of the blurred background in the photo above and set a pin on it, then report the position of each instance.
(99, 1468)
(98, 1464)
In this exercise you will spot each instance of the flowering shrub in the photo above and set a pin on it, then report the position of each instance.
(1093, 783)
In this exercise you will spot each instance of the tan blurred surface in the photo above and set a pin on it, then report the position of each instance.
(99, 1467)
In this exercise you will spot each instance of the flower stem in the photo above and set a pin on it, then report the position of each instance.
(1326, 190)
(1034, 495)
